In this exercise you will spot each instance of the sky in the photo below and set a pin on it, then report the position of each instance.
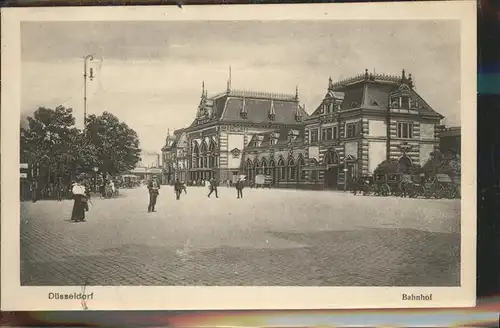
(149, 74)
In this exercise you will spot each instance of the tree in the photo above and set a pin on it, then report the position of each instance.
(439, 163)
(390, 166)
(45, 137)
(116, 145)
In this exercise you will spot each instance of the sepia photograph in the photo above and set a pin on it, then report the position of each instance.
(243, 152)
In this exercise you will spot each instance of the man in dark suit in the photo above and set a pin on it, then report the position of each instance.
(213, 187)
(154, 190)
(178, 186)
(239, 188)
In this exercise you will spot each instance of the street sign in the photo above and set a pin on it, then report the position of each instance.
(24, 165)
(24, 175)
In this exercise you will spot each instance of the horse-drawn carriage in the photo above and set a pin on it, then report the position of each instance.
(440, 186)
(395, 184)
(129, 181)
(407, 185)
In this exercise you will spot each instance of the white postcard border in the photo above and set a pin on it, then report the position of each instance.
(15, 297)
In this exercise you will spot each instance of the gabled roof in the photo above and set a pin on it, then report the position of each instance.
(173, 139)
(372, 91)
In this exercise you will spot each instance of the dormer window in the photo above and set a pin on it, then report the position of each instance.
(243, 112)
(272, 112)
(405, 102)
(298, 114)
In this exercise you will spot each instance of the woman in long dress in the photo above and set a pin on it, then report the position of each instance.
(80, 203)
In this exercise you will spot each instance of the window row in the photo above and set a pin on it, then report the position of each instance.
(282, 173)
(205, 162)
(403, 130)
(352, 130)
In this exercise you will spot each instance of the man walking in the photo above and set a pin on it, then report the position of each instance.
(178, 186)
(213, 187)
(239, 188)
(153, 187)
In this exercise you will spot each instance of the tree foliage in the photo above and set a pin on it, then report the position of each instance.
(50, 140)
(441, 163)
(391, 166)
(117, 145)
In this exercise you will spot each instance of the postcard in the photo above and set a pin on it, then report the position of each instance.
(239, 157)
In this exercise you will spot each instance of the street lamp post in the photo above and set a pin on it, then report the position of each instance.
(91, 77)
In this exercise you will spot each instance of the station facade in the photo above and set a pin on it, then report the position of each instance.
(361, 122)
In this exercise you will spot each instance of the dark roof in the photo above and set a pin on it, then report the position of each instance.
(228, 107)
(172, 139)
(372, 91)
(282, 135)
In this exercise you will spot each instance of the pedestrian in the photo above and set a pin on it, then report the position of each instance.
(184, 187)
(178, 189)
(153, 187)
(80, 205)
(34, 187)
(239, 188)
(213, 187)
(59, 191)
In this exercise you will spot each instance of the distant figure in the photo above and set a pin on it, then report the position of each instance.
(239, 188)
(80, 205)
(178, 186)
(102, 189)
(213, 187)
(153, 187)
(184, 187)
(112, 186)
(59, 191)
(34, 187)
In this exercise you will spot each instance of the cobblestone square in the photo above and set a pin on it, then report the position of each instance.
(268, 238)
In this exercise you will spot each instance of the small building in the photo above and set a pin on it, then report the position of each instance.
(279, 154)
(365, 120)
(175, 157)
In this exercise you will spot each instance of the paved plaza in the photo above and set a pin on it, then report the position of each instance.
(271, 237)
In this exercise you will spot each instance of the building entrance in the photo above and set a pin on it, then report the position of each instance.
(331, 177)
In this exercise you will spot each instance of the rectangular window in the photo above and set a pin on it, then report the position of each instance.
(314, 135)
(405, 130)
(405, 102)
(323, 134)
(335, 132)
(351, 130)
(329, 134)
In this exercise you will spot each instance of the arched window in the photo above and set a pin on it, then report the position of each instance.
(281, 170)
(331, 157)
(248, 169)
(212, 154)
(256, 165)
(211, 148)
(301, 167)
(196, 155)
(263, 164)
(203, 147)
(292, 170)
(272, 170)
